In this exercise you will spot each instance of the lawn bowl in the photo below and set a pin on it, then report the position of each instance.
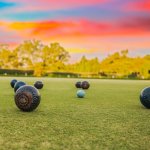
(85, 85)
(27, 98)
(80, 94)
(18, 85)
(78, 84)
(12, 83)
(145, 97)
(38, 84)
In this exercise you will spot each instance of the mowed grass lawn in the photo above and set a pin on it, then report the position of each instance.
(109, 117)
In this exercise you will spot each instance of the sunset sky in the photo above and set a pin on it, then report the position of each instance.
(83, 27)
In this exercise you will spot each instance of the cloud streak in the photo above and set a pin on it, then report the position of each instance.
(125, 27)
(40, 5)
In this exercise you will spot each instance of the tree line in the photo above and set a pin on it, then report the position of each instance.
(42, 59)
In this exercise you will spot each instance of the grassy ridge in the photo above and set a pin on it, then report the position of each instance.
(110, 117)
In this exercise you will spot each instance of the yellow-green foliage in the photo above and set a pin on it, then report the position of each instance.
(32, 54)
(121, 64)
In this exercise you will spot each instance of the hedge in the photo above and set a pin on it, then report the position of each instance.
(16, 72)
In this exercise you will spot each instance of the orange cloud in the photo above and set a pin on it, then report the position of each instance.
(83, 28)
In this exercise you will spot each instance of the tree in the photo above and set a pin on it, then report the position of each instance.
(8, 58)
(86, 66)
(54, 57)
(124, 53)
(41, 58)
(29, 53)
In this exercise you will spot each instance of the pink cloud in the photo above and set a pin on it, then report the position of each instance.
(143, 5)
(136, 23)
